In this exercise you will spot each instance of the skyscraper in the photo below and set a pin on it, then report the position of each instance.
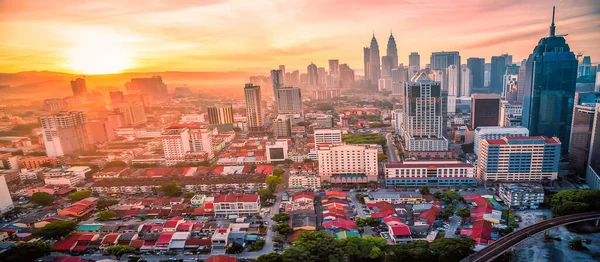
(334, 67)
(386, 66)
(442, 60)
(78, 87)
(521, 83)
(550, 81)
(116, 98)
(581, 133)
(346, 76)
(414, 61)
(499, 64)
(133, 113)
(313, 75)
(367, 61)
(220, 115)
(282, 68)
(374, 61)
(392, 52)
(65, 133)
(290, 100)
(477, 67)
(423, 118)
(253, 107)
(485, 110)
(152, 86)
(452, 74)
(277, 78)
(465, 82)
(399, 78)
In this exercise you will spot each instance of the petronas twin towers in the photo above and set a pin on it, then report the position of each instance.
(376, 67)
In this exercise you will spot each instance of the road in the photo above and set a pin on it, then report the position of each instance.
(367, 230)
(392, 150)
(453, 223)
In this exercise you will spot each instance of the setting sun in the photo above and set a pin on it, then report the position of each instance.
(99, 58)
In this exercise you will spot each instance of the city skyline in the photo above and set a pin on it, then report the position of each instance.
(111, 37)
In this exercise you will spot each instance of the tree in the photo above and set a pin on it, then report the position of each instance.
(360, 222)
(288, 162)
(279, 238)
(361, 198)
(372, 222)
(574, 201)
(424, 190)
(265, 194)
(381, 156)
(273, 181)
(258, 245)
(281, 217)
(79, 195)
(259, 217)
(446, 212)
(105, 203)
(314, 246)
(116, 163)
(278, 172)
(282, 228)
(452, 249)
(463, 212)
(270, 257)
(28, 251)
(106, 214)
(189, 195)
(119, 250)
(234, 248)
(56, 229)
(448, 196)
(308, 161)
(170, 189)
(42, 198)
(577, 244)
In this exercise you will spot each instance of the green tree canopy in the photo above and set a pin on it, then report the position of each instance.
(282, 228)
(270, 257)
(463, 212)
(265, 194)
(281, 217)
(314, 246)
(106, 215)
(448, 196)
(30, 251)
(364, 139)
(381, 156)
(278, 172)
(170, 189)
(575, 201)
(79, 195)
(116, 163)
(424, 190)
(56, 229)
(119, 250)
(42, 198)
(273, 181)
(452, 249)
(234, 248)
(105, 203)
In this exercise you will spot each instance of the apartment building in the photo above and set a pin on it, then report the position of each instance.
(347, 164)
(432, 173)
(236, 204)
(325, 135)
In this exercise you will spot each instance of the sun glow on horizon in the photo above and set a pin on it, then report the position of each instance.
(99, 57)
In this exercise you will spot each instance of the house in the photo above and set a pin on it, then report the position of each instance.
(303, 219)
(109, 240)
(198, 200)
(395, 197)
(400, 233)
(164, 241)
(171, 225)
(89, 228)
(80, 208)
(236, 204)
(196, 243)
(178, 240)
(236, 237)
(219, 238)
(341, 224)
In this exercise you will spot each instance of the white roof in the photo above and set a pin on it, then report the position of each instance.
(180, 236)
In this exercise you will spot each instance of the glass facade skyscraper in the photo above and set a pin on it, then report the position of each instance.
(551, 74)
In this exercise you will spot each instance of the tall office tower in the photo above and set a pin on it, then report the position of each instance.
(290, 100)
(152, 86)
(367, 61)
(116, 98)
(342, 164)
(53, 104)
(511, 114)
(386, 66)
(442, 60)
(584, 69)
(521, 83)
(592, 175)
(325, 135)
(465, 82)
(399, 78)
(510, 80)
(414, 64)
(254, 107)
(346, 76)
(294, 78)
(65, 133)
(282, 68)
(100, 131)
(78, 87)
(486, 74)
(519, 159)
(277, 78)
(220, 115)
(477, 67)
(423, 125)
(374, 62)
(453, 85)
(392, 51)
(497, 70)
(496, 132)
(334, 67)
(322, 77)
(584, 110)
(550, 88)
(6, 203)
(313, 75)
(485, 110)
(133, 113)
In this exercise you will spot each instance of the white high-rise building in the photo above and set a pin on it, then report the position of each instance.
(384, 84)
(342, 164)
(333, 136)
(289, 101)
(6, 203)
(465, 82)
(452, 80)
(423, 122)
(253, 107)
(65, 133)
(175, 144)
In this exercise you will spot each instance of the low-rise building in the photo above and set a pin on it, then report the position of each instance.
(432, 173)
(395, 197)
(236, 204)
(521, 195)
(304, 181)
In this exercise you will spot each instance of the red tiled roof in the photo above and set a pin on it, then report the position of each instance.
(138, 243)
(430, 215)
(170, 224)
(221, 258)
(86, 237)
(185, 226)
(341, 223)
(67, 243)
(80, 247)
(235, 198)
(333, 193)
(110, 239)
(392, 220)
(198, 242)
(482, 225)
(400, 230)
(165, 238)
(300, 195)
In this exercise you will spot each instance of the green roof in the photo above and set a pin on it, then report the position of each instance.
(345, 234)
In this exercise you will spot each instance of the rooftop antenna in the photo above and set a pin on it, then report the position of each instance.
(552, 27)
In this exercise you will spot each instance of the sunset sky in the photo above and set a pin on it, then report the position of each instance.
(255, 36)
